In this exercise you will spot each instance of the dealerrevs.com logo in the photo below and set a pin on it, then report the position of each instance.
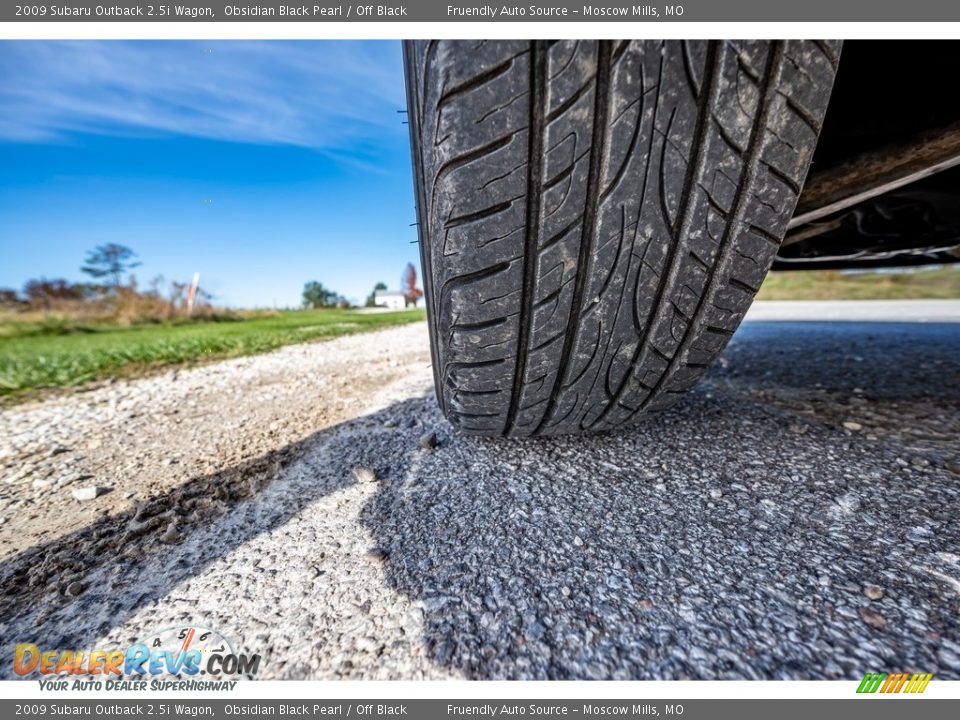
(910, 683)
(173, 658)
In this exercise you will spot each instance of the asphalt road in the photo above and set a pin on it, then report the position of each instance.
(797, 516)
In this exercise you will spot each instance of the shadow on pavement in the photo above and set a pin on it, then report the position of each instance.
(730, 537)
(75, 589)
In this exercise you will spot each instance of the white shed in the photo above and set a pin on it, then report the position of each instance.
(388, 299)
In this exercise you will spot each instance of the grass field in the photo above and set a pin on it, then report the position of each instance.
(939, 283)
(54, 352)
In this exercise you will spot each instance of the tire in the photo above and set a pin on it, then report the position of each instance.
(596, 217)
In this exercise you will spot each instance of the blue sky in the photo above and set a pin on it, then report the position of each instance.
(260, 165)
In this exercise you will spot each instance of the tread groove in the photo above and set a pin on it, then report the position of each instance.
(538, 86)
(784, 178)
(588, 233)
(475, 82)
(828, 53)
(486, 212)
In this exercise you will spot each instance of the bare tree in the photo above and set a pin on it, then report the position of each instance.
(43, 293)
(408, 285)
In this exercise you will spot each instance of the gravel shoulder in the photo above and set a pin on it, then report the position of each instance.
(795, 517)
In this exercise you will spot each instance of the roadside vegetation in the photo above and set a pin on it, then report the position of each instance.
(58, 351)
(56, 333)
(920, 283)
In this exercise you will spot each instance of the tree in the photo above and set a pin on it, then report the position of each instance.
(372, 297)
(408, 285)
(110, 261)
(156, 286)
(42, 292)
(315, 295)
(9, 297)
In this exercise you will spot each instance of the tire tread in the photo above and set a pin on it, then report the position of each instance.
(596, 216)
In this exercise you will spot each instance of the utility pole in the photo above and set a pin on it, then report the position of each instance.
(192, 292)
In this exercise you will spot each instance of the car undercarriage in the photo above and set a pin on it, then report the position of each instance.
(884, 186)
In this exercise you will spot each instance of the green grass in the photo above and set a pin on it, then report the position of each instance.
(939, 283)
(54, 353)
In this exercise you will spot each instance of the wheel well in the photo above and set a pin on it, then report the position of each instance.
(884, 186)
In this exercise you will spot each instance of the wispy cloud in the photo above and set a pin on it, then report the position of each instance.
(325, 95)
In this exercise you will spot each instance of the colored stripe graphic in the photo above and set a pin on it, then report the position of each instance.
(895, 682)
(871, 682)
(918, 683)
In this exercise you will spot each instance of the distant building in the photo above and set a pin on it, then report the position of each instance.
(389, 299)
